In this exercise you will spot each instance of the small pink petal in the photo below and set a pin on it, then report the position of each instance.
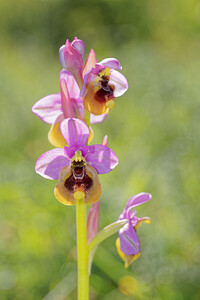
(74, 62)
(85, 81)
(90, 62)
(69, 152)
(120, 83)
(138, 199)
(49, 109)
(71, 100)
(93, 221)
(50, 163)
(72, 85)
(67, 105)
(69, 92)
(111, 63)
(86, 150)
(75, 132)
(78, 105)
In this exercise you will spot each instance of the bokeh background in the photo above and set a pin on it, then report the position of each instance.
(154, 130)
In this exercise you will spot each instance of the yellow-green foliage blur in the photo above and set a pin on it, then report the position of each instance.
(154, 130)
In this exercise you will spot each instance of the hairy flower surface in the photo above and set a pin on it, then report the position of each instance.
(54, 108)
(76, 166)
(128, 245)
(101, 85)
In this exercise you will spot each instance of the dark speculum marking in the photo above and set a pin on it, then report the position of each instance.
(72, 184)
(78, 172)
(105, 93)
(78, 178)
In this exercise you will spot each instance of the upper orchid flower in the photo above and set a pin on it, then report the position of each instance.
(128, 245)
(76, 167)
(71, 58)
(54, 108)
(100, 82)
(101, 85)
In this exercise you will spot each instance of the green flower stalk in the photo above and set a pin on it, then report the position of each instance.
(82, 249)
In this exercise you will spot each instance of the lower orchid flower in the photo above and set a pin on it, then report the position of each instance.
(101, 85)
(128, 245)
(76, 167)
(54, 108)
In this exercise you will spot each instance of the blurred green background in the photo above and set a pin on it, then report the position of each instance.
(154, 130)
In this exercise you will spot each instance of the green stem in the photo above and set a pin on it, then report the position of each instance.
(82, 249)
(105, 233)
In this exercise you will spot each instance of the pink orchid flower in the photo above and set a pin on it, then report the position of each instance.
(54, 108)
(101, 85)
(76, 166)
(128, 244)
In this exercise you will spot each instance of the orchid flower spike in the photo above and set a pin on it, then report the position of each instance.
(101, 85)
(54, 108)
(128, 244)
(76, 167)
